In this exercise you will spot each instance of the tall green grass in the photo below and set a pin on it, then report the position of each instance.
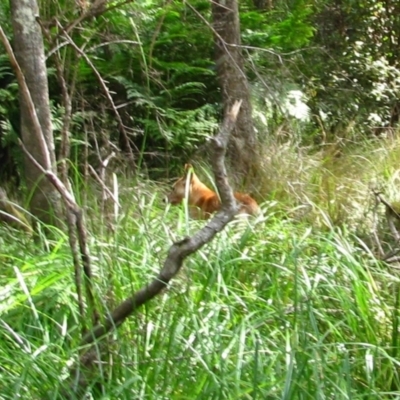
(273, 308)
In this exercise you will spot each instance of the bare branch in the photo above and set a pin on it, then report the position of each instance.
(181, 250)
(66, 101)
(57, 48)
(218, 161)
(46, 169)
(73, 240)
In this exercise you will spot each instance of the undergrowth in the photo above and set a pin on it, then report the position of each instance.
(274, 308)
(332, 185)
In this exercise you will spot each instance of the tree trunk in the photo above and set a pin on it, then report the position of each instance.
(233, 82)
(29, 52)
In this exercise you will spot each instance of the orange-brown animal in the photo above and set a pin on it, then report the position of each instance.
(204, 201)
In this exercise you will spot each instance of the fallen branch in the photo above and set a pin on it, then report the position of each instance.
(181, 250)
(176, 255)
(73, 221)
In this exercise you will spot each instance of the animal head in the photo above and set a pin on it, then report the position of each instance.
(179, 189)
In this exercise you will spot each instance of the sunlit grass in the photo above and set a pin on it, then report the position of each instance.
(273, 308)
(335, 181)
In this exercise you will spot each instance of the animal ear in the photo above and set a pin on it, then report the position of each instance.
(188, 167)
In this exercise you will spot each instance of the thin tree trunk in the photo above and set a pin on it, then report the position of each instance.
(234, 85)
(29, 52)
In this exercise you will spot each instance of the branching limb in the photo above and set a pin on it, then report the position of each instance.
(176, 255)
(46, 169)
(181, 250)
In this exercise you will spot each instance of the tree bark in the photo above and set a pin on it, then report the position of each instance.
(29, 52)
(234, 86)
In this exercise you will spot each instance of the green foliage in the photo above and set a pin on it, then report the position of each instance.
(4, 12)
(183, 129)
(354, 77)
(143, 54)
(285, 28)
(157, 61)
(10, 154)
(9, 89)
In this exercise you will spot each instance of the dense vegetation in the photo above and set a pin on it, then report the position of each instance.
(331, 71)
(297, 303)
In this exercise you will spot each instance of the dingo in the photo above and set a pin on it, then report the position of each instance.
(202, 200)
